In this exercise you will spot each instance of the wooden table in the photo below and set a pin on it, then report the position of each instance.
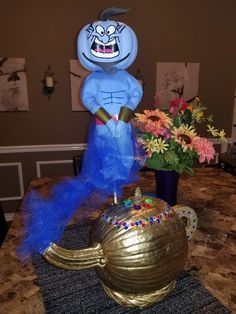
(212, 251)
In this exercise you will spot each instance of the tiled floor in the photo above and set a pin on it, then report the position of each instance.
(212, 251)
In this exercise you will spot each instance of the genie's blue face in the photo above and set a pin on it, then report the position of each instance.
(107, 44)
(105, 39)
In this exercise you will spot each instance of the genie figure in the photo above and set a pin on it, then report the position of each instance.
(107, 48)
(112, 157)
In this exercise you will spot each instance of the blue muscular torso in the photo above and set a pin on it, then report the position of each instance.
(111, 91)
(108, 160)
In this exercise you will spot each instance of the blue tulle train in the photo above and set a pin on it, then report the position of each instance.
(108, 164)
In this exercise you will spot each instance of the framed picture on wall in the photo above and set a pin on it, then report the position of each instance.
(175, 80)
(13, 85)
(77, 76)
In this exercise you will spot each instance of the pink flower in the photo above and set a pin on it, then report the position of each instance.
(166, 134)
(204, 148)
(151, 128)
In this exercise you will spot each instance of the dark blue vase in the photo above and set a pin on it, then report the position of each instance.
(167, 185)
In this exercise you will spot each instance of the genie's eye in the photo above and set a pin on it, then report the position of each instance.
(100, 30)
(111, 30)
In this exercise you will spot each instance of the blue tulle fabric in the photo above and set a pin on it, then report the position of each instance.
(108, 164)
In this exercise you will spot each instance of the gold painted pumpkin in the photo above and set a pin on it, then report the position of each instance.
(138, 248)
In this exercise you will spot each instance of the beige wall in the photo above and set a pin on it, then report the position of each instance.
(44, 32)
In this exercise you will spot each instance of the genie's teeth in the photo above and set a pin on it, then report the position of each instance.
(101, 50)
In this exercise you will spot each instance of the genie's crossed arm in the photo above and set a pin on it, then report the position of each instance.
(126, 111)
(89, 92)
(136, 93)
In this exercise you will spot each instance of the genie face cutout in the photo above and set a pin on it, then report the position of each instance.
(107, 46)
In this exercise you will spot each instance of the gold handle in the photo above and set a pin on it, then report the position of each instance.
(75, 259)
(189, 218)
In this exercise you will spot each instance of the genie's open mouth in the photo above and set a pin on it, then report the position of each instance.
(108, 67)
(101, 50)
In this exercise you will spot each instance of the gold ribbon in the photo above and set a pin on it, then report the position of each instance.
(103, 115)
(140, 300)
(125, 114)
(75, 259)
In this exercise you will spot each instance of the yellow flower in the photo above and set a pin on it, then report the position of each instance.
(222, 137)
(198, 115)
(161, 146)
(210, 129)
(150, 146)
(155, 145)
(184, 135)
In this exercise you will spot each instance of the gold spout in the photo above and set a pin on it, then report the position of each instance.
(75, 259)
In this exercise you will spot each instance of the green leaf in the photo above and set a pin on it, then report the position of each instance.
(189, 170)
(171, 157)
(156, 162)
(187, 117)
(146, 136)
(177, 121)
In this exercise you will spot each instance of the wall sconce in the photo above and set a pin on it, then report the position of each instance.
(140, 78)
(48, 82)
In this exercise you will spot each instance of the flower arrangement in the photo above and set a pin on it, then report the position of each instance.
(170, 138)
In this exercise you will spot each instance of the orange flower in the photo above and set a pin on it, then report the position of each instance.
(156, 118)
(184, 135)
(190, 107)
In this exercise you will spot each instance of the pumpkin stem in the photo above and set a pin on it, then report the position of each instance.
(75, 259)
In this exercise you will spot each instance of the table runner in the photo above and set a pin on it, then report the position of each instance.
(80, 292)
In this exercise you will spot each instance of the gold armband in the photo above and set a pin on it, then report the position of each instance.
(103, 115)
(125, 114)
